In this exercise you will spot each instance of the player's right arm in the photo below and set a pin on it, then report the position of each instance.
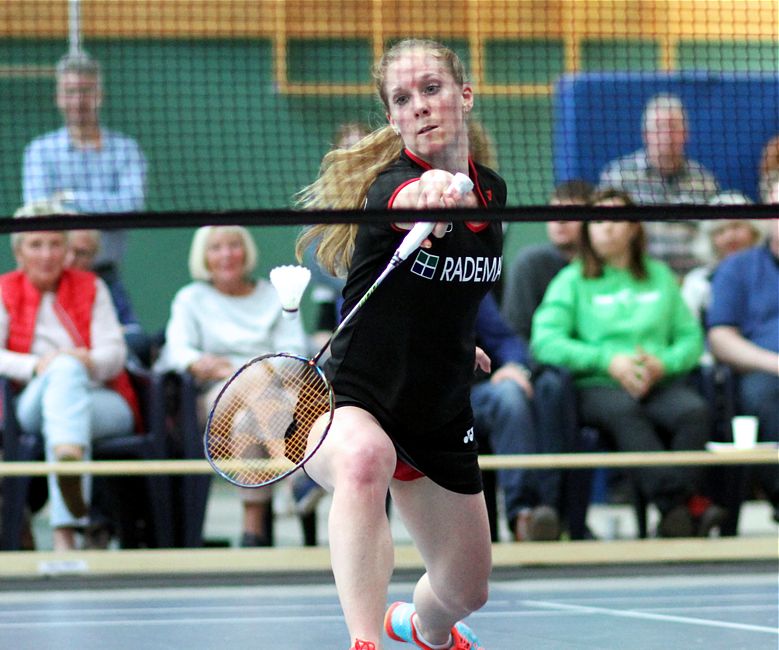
(433, 190)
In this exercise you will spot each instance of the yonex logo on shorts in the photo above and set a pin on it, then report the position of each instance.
(425, 265)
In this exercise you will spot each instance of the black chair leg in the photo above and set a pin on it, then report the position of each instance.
(641, 506)
(270, 524)
(195, 500)
(160, 504)
(308, 526)
(729, 487)
(491, 498)
(15, 491)
(577, 488)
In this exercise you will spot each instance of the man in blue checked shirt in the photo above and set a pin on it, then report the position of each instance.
(83, 166)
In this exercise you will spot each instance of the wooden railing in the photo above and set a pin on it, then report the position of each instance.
(756, 456)
(16, 564)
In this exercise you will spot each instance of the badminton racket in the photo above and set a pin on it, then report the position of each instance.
(274, 412)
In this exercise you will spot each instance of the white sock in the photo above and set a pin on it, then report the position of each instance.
(445, 646)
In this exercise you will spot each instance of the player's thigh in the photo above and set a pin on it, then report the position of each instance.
(355, 449)
(451, 530)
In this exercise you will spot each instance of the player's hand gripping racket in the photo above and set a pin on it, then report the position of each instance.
(260, 426)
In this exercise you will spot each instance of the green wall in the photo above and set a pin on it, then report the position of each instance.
(218, 135)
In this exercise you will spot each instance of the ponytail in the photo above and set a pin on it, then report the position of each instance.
(344, 179)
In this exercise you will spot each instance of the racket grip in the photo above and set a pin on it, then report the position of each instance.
(414, 239)
(462, 183)
(421, 231)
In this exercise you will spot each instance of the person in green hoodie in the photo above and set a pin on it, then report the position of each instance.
(616, 318)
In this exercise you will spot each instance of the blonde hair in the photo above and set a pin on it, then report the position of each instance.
(198, 268)
(346, 174)
(39, 208)
(767, 183)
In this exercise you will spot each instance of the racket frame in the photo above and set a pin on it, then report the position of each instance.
(330, 413)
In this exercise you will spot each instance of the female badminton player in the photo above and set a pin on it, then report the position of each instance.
(401, 369)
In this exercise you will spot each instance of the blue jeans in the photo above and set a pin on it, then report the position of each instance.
(503, 416)
(758, 394)
(66, 408)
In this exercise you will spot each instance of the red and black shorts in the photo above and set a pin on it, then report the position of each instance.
(448, 454)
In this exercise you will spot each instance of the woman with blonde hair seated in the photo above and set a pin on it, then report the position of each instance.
(221, 320)
(63, 344)
(717, 240)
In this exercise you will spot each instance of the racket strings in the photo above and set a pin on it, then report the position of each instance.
(259, 428)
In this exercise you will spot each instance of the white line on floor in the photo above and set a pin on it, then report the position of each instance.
(649, 616)
(203, 620)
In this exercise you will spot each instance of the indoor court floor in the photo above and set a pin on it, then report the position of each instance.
(723, 606)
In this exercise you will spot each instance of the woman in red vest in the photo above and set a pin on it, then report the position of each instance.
(63, 344)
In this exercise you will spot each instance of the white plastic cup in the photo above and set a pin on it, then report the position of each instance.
(744, 431)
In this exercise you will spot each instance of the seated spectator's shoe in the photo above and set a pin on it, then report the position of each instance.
(64, 539)
(307, 493)
(544, 524)
(251, 540)
(541, 524)
(399, 626)
(97, 537)
(677, 522)
(711, 519)
(69, 485)
(363, 645)
(28, 539)
(521, 528)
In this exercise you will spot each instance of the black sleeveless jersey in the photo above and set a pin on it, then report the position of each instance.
(408, 354)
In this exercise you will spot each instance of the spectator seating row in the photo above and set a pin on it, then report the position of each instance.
(151, 444)
(176, 507)
(727, 485)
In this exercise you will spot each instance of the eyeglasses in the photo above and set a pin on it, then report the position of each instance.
(83, 253)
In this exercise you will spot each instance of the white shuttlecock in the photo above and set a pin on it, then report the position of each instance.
(290, 282)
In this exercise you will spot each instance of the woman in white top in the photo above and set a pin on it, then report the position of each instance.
(219, 322)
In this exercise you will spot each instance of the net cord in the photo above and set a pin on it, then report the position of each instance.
(530, 214)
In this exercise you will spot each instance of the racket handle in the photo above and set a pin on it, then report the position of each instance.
(413, 240)
(462, 183)
(421, 231)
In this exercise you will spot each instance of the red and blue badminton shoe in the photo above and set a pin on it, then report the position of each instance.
(399, 625)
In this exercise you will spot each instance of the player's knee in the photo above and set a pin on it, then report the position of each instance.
(367, 462)
(467, 599)
(479, 598)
